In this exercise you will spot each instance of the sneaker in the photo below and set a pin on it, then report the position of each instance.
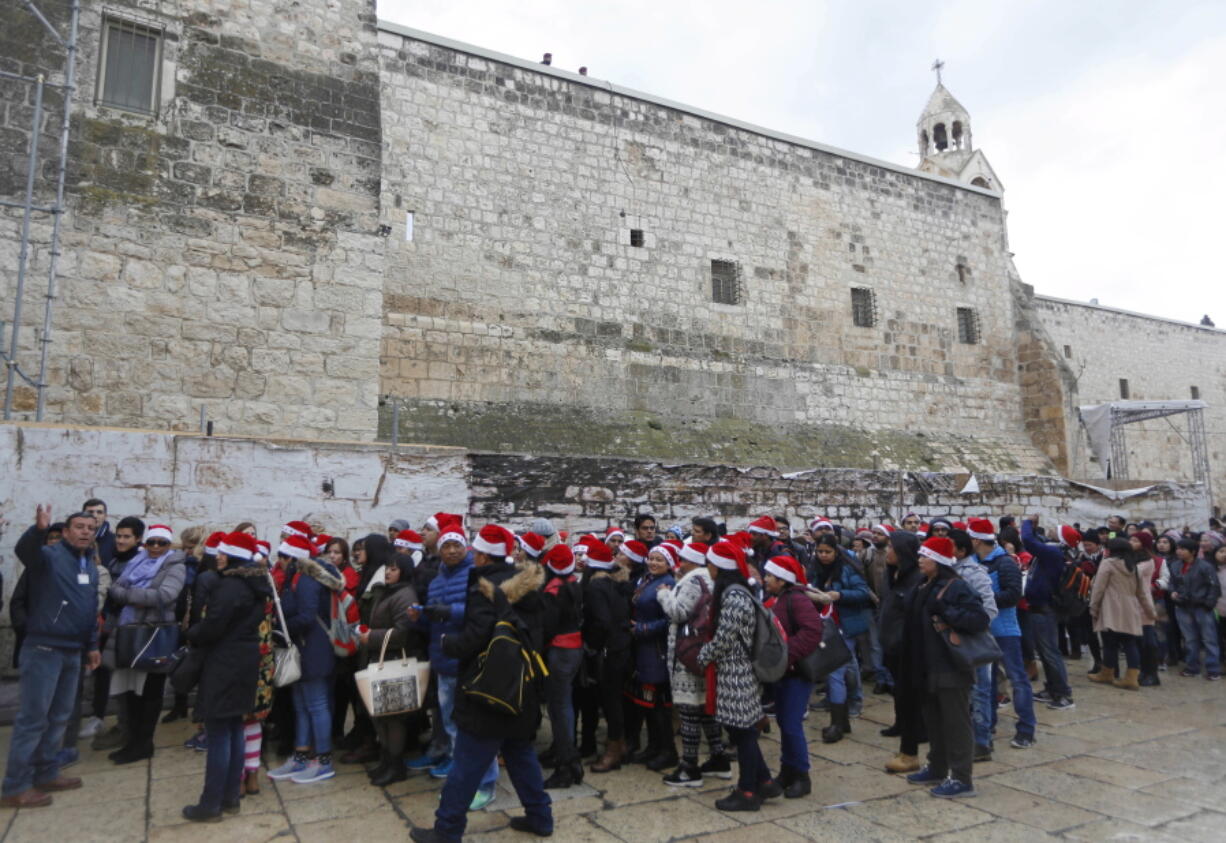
(67, 756)
(1162, 668)
(288, 770)
(90, 727)
(1213, 677)
(687, 775)
(424, 763)
(719, 766)
(952, 789)
(1189, 672)
(982, 753)
(855, 708)
(1062, 704)
(482, 798)
(1042, 696)
(1003, 701)
(1022, 741)
(197, 742)
(924, 776)
(313, 772)
(441, 770)
(739, 800)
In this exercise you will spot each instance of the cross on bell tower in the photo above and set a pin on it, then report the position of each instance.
(937, 65)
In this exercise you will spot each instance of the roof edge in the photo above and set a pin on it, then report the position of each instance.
(630, 93)
(1134, 313)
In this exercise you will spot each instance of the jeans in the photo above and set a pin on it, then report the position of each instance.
(983, 705)
(471, 757)
(446, 703)
(1113, 642)
(841, 684)
(223, 766)
(791, 703)
(1198, 629)
(49, 677)
(751, 766)
(1023, 694)
(876, 655)
(312, 715)
(1043, 626)
(563, 664)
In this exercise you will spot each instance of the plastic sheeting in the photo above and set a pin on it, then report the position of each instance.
(1097, 420)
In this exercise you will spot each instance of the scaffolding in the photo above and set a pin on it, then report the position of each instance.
(1105, 424)
(28, 206)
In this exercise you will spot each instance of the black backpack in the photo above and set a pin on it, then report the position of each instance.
(1072, 595)
(509, 671)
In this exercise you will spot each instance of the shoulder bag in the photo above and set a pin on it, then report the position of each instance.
(968, 650)
(148, 647)
(287, 659)
(395, 687)
(827, 657)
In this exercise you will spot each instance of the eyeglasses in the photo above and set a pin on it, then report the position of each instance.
(157, 543)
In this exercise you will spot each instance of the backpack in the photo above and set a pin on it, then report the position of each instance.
(1072, 595)
(769, 652)
(342, 624)
(508, 670)
(697, 632)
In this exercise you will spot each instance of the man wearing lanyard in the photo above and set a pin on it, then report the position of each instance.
(63, 621)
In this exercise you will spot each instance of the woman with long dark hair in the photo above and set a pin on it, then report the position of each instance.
(1120, 604)
(839, 585)
(902, 577)
(606, 633)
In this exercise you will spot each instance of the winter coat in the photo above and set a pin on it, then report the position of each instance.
(1120, 600)
(650, 631)
(801, 621)
(1006, 581)
(738, 693)
(893, 613)
(228, 634)
(378, 550)
(104, 543)
(1046, 568)
(606, 610)
(1196, 584)
(855, 602)
(925, 658)
(157, 602)
(563, 611)
(448, 588)
(307, 604)
(389, 619)
(874, 566)
(679, 604)
(974, 575)
(519, 588)
(62, 611)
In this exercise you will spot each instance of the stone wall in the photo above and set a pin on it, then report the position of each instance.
(1162, 360)
(523, 316)
(222, 252)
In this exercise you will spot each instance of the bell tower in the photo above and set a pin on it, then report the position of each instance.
(943, 133)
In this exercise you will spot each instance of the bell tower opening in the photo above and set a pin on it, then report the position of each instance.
(938, 137)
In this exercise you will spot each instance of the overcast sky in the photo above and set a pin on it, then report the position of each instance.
(1106, 121)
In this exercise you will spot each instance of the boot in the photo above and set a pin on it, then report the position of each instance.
(1095, 668)
(1106, 676)
(251, 782)
(901, 763)
(614, 752)
(838, 716)
(845, 714)
(1149, 680)
(178, 711)
(799, 785)
(786, 776)
(660, 721)
(1129, 680)
(891, 731)
(394, 773)
(560, 779)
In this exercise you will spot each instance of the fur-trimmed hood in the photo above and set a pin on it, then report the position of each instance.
(325, 576)
(255, 576)
(528, 578)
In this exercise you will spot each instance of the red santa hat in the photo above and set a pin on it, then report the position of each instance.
(940, 549)
(297, 528)
(1069, 537)
(635, 551)
(787, 569)
(238, 546)
(695, 553)
(532, 544)
(959, 525)
(765, 525)
(728, 556)
(451, 529)
(263, 548)
(864, 533)
(211, 543)
(560, 559)
(584, 542)
(297, 547)
(319, 543)
(408, 540)
(159, 531)
(613, 532)
(668, 552)
(743, 540)
(884, 529)
(599, 555)
(675, 545)
(494, 540)
(820, 523)
(923, 529)
(982, 529)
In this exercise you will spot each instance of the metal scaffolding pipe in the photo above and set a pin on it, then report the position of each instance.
(46, 24)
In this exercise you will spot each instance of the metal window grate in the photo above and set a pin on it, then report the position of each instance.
(636, 237)
(725, 282)
(1196, 393)
(130, 64)
(968, 326)
(863, 307)
(1125, 391)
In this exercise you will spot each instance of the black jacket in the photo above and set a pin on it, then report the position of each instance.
(900, 581)
(1197, 585)
(925, 656)
(229, 636)
(520, 587)
(606, 609)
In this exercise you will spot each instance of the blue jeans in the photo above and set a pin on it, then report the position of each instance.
(1023, 694)
(446, 704)
(471, 758)
(844, 683)
(983, 705)
(563, 664)
(223, 766)
(1043, 626)
(876, 655)
(791, 703)
(1198, 629)
(312, 715)
(49, 678)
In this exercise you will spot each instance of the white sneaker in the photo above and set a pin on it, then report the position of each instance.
(90, 727)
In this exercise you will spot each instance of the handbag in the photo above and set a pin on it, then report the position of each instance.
(829, 655)
(146, 647)
(287, 660)
(968, 650)
(189, 664)
(696, 632)
(393, 687)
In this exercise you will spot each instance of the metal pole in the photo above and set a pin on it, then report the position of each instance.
(70, 76)
(46, 24)
(23, 256)
(202, 418)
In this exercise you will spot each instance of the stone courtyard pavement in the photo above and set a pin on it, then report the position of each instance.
(1122, 766)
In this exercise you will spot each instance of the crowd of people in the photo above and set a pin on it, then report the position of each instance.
(626, 639)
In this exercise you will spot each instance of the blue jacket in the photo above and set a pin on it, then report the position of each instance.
(307, 603)
(855, 600)
(1045, 569)
(449, 587)
(1006, 588)
(651, 632)
(63, 610)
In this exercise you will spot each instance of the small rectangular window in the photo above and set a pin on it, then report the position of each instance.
(1068, 351)
(725, 282)
(1196, 393)
(636, 237)
(129, 66)
(968, 326)
(863, 307)
(1124, 391)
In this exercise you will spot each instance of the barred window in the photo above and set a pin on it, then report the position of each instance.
(1125, 392)
(968, 326)
(863, 307)
(129, 65)
(1196, 393)
(725, 282)
(636, 237)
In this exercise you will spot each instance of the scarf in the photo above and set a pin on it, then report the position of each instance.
(139, 573)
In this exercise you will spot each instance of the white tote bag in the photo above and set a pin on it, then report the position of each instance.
(393, 687)
(287, 659)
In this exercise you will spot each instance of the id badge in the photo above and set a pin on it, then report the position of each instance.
(82, 579)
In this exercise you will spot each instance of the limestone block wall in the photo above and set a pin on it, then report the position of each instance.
(523, 314)
(223, 251)
(1161, 359)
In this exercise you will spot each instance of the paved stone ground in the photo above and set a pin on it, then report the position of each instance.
(1122, 766)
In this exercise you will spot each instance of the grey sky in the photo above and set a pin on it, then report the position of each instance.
(1104, 120)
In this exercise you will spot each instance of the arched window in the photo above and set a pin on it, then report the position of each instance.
(980, 181)
(939, 138)
(956, 134)
(923, 142)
